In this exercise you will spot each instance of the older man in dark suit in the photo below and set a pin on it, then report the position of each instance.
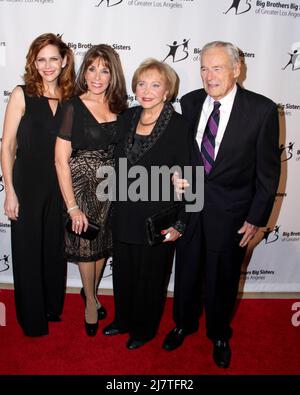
(236, 135)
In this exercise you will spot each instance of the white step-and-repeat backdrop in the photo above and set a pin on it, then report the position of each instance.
(268, 32)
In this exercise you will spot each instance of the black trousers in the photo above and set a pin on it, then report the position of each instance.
(215, 275)
(140, 278)
(39, 266)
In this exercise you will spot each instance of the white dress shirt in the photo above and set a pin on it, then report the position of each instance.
(225, 110)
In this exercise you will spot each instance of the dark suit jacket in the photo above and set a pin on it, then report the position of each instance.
(243, 181)
(167, 146)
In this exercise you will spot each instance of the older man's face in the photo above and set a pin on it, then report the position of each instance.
(218, 73)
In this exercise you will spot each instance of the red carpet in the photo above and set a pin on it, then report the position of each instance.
(264, 343)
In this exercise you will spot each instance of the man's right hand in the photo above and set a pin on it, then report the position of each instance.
(179, 184)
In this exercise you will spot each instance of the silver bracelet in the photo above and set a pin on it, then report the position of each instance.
(72, 208)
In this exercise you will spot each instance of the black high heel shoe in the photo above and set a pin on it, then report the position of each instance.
(91, 329)
(102, 313)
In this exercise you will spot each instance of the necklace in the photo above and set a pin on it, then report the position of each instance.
(149, 123)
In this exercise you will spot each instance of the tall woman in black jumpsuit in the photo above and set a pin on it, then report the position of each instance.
(33, 200)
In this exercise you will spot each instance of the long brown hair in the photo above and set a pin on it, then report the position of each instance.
(33, 80)
(116, 92)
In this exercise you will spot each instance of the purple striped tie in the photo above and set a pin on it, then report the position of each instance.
(209, 136)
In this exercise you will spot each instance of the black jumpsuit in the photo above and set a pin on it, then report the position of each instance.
(37, 235)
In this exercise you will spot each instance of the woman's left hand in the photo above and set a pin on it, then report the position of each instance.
(171, 234)
(79, 221)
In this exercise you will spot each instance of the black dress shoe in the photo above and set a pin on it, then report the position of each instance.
(112, 330)
(222, 353)
(102, 313)
(52, 317)
(132, 344)
(91, 329)
(175, 338)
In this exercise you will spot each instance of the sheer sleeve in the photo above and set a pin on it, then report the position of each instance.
(65, 130)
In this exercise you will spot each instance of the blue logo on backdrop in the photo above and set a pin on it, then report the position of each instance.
(178, 52)
(239, 6)
(271, 235)
(4, 263)
(294, 60)
(109, 3)
(286, 152)
(108, 268)
(1, 183)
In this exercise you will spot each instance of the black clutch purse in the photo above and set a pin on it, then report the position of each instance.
(89, 234)
(159, 221)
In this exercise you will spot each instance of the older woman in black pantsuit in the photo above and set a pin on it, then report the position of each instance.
(153, 135)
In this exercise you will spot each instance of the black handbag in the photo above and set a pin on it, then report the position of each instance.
(89, 234)
(159, 221)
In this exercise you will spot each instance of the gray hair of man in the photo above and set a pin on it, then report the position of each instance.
(231, 49)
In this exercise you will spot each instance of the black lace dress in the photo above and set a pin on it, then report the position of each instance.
(92, 147)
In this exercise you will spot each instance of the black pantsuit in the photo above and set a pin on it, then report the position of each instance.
(141, 272)
(38, 260)
(140, 280)
(37, 234)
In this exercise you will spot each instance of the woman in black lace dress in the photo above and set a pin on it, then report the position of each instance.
(85, 143)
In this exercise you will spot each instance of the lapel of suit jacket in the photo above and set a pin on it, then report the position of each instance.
(197, 112)
(233, 129)
(193, 113)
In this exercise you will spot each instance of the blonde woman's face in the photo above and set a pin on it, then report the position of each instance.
(151, 90)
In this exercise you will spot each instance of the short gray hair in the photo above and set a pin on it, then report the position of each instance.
(231, 49)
